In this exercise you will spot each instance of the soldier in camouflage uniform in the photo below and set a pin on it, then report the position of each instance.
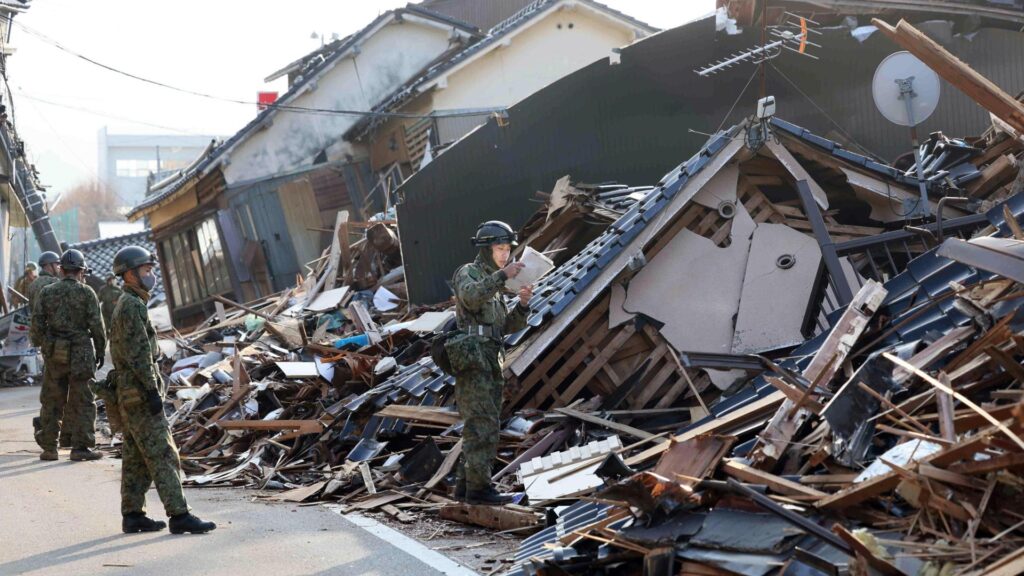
(49, 264)
(476, 354)
(67, 326)
(148, 455)
(109, 295)
(26, 280)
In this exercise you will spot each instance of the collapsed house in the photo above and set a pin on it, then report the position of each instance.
(647, 430)
(755, 366)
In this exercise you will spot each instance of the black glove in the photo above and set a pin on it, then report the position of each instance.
(99, 362)
(154, 402)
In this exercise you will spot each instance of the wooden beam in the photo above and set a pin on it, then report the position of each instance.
(725, 423)
(741, 471)
(303, 426)
(508, 517)
(618, 427)
(956, 72)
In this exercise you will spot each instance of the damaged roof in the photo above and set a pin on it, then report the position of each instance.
(314, 68)
(523, 17)
(100, 254)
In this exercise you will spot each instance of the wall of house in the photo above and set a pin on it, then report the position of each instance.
(293, 139)
(167, 214)
(561, 42)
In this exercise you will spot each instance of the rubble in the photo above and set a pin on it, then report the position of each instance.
(752, 367)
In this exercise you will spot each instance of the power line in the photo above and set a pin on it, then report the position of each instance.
(28, 96)
(78, 158)
(825, 114)
(283, 107)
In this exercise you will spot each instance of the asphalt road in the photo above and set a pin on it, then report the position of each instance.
(64, 518)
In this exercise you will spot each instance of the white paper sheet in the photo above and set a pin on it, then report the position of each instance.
(328, 300)
(536, 265)
(385, 300)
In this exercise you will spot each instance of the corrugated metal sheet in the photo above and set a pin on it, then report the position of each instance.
(632, 122)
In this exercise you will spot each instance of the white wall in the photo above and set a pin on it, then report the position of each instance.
(534, 58)
(386, 60)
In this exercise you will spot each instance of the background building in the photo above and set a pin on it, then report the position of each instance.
(126, 160)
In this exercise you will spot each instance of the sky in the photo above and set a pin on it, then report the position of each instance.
(219, 47)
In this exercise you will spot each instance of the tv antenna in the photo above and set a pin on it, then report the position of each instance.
(793, 34)
(906, 92)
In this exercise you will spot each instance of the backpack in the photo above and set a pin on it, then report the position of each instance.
(438, 353)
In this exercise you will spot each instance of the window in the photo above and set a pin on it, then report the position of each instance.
(195, 263)
(135, 168)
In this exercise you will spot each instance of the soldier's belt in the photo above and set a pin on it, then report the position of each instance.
(485, 330)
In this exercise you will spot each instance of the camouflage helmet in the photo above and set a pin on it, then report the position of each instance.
(31, 266)
(130, 258)
(73, 261)
(494, 232)
(47, 258)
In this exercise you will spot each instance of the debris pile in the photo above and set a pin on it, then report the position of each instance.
(753, 367)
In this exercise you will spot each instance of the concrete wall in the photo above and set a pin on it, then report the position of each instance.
(561, 42)
(293, 139)
(175, 151)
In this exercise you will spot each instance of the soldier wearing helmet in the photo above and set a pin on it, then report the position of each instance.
(109, 295)
(68, 328)
(149, 455)
(26, 280)
(476, 353)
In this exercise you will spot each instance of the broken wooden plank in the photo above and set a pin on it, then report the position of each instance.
(826, 362)
(427, 414)
(300, 494)
(960, 397)
(303, 426)
(446, 467)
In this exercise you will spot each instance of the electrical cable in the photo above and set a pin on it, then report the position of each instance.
(737, 101)
(825, 114)
(28, 96)
(276, 106)
(78, 159)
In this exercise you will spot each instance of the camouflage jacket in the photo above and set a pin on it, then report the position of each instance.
(44, 280)
(109, 296)
(22, 285)
(478, 288)
(68, 310)
(133, 341)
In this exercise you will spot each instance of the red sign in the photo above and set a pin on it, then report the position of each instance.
(264, 99)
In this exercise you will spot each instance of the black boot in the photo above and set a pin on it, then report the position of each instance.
(487, 497)
(81, 454)
(186, 522)
(139, 522)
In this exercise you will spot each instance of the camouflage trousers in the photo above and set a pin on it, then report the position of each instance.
(66, 404)
(148, 456)
(478, 395)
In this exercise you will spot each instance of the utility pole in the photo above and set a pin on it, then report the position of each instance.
(24, 183)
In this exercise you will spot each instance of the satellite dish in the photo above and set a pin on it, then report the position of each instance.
(890, 88)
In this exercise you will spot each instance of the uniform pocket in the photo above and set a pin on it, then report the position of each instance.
(61, 351)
